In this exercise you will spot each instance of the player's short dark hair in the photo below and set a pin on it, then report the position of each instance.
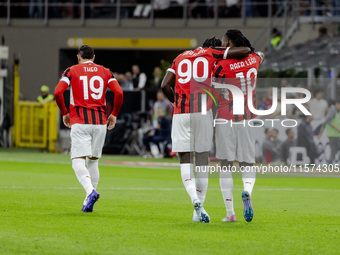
(276, 130)
(288, 130)
(238, 39)
(212, 42)
(86, 52)
(266, 130)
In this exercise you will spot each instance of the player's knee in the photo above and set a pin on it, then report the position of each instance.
(202, 158)
(226, 163)
(185, 157)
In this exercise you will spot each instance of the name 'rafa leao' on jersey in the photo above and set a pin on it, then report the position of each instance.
(193, 77)
(239, 73)
(87, 93)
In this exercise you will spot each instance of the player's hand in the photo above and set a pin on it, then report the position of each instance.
(261, 55)
(66, 120)
(112, 122)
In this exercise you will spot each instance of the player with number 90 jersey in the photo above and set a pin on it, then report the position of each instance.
(240, 73)
(89, 83)
(193, 73)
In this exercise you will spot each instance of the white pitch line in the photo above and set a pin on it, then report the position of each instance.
(112, 164)
(162, 189)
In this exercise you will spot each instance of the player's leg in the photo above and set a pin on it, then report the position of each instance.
(98, 133)
(227, 185)
(201, 143)
(202, 172)
(80, 149)
(188, 179)
(202, 162)
(248, 176)
(93, 168)
(82, 173)
(225, 138)
(187, 174)
(246, 157)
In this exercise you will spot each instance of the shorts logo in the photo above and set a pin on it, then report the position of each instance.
(187, 180)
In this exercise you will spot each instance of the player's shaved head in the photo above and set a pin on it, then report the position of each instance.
(212, 42)
(86, 52)
(236, 37)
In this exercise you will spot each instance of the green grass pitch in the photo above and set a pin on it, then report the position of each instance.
(147, 211)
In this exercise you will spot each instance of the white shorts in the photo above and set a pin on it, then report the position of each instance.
(236, 142)
(192, 132)
(87, 140)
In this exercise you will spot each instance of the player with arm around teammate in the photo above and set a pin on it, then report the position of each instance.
(236, 142)
(192, 131)
(87, 118)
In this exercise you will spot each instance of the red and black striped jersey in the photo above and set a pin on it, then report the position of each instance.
(193, 77)
(88, 83)
(240, 73)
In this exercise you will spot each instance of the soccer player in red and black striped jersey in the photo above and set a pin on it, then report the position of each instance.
(236, 142)
(87, 118)
(192, 125)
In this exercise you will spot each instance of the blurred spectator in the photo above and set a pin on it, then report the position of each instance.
(143, 9)
(129, 80)
(276, 39)
(332, 124)
(55, 12)
(261, 105)
(164, 104)
(157, 78)
(271, 146)
(305, 137)
(45, 96)
(138, 78)
(249, 8)
(161, 134)
(232, 9)
(335, 7)
(161, 8)
(318, 106)
(200, 8)
(323, 32)
(36, 7)
(285, 84)
(268, 100)
(123, 82)
(318, 6)
(290, 142)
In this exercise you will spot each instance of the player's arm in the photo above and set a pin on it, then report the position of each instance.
(117, 104)
(59, 98)
(167, 83)
(237, 52)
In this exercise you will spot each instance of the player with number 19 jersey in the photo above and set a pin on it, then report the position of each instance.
(193, 73)
(88, 83)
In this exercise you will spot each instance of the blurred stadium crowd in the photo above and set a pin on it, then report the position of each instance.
(161, 8)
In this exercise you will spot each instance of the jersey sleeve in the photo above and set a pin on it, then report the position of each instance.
(172, 68)
(66, 76)
(218, 53)
(111, 76)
